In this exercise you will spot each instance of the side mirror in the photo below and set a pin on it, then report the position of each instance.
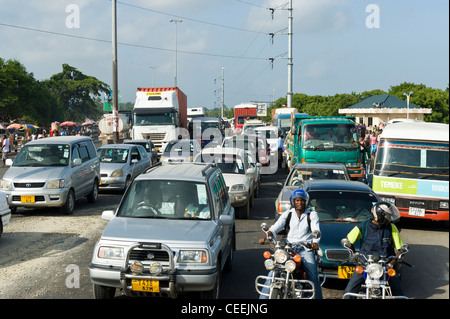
(108, 215)
(345, 243)
(77, 162)
(294, 130)
(225, 220)
(316, 234)
(404, 248)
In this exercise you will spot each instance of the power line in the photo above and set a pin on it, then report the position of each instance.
(128, 44)
(190, 19)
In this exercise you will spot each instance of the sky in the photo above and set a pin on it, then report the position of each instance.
(339, 46)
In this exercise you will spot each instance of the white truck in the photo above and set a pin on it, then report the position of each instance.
(158, 114)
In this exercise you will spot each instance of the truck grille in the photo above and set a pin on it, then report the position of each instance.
(154, 136)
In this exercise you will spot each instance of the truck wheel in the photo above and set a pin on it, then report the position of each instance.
(102, 292)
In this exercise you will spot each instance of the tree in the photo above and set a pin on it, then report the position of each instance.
(77, 94)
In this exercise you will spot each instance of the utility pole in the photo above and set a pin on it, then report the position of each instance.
(223, 93)
(290, 64)
(114, 67)
(176, 31)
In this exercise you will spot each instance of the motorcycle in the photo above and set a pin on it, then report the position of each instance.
(376, 273)
(287, 277)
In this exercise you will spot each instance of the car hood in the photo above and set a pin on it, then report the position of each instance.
(159, 230)
(333, 232)
(110, 167)
(19, 174)
(233, 179)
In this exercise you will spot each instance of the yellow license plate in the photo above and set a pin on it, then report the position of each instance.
(145, 285)
(27, 199)
(345, 272)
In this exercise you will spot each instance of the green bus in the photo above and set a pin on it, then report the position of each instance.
(325, 139)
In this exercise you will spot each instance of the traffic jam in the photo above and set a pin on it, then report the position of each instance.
(186, 180)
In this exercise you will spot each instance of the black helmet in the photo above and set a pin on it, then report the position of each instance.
(383, 211)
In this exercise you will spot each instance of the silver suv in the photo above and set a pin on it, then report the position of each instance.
(53, 172)
(173, 232)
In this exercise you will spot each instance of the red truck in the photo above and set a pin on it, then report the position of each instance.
(243, 112)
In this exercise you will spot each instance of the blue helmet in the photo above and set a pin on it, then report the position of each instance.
(299, 193)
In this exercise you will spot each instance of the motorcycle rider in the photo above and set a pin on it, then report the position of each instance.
(378, 236)
(302, 222)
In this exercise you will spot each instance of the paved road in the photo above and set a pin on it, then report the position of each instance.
(43, 252)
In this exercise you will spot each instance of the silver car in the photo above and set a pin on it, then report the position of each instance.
(120, 164)
(306, 171)
(173, 232)
(53, 172)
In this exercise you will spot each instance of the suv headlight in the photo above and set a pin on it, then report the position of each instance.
(110, 252)
(238, 188)
(192, 256)
(6, 184)
(57, 183)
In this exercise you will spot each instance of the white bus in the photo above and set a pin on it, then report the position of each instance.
(412, 169)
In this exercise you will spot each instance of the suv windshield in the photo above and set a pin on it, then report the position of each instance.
(341, 206)
(166, 199)
(43, 155)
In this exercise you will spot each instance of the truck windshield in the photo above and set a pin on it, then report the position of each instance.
(165, 118)
(419, 160)
(166, 199)
(43, 155)
(338, 137)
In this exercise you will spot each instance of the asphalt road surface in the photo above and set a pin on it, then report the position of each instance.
(44, 254)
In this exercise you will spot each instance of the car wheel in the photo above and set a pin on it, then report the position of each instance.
(93, 195)
(214, 293)
(229, 262)
(102, 292)
(245, 210)
(69, 207)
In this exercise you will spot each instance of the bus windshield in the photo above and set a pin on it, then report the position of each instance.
(413, 159)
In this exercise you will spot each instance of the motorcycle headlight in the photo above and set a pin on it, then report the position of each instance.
(280, 256)
(269, 264)
(110, 252)
(375, 270)
(290, 265)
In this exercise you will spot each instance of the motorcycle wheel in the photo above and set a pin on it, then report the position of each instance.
(275, 294)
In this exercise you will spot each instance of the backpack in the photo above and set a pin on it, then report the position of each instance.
(286, 228)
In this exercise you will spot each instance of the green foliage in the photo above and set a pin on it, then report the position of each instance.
(69, 95)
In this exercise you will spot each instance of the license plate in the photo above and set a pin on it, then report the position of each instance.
(417, 211)
(345, 272)
(145, 285)
(27, 199)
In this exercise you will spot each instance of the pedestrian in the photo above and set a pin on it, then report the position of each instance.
(280, 150)
(5, 149)
(373, 144)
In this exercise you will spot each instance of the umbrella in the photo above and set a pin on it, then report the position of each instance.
(14, 126)
(28, 127)
(89, 122)
(68, 123)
